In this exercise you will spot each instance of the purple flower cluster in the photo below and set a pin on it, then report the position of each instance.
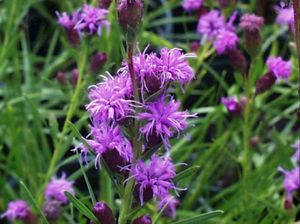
(154, 179)
(163, 120)
(17, 210)
(89, 20)
(155, 71)
(56, 188)
(285, 16)
(296, 146)
(282, 69)
(233, 106)
(192, 5)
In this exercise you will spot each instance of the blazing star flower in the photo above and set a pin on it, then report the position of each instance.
(211, 24)
(285, 16)
(291, 180)
(296, 146)
(192, 5)
(232, 105)
(110, 144)
(111, 99)
(281, 69)
(226, 41)
(169, 205)
(251, 22)
(92, 19)
(174, 66)
(163, 120)
(17, 210)
(153, 178)
(56, 188)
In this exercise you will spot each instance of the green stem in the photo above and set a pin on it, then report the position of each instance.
(127, 198)
(72, 108)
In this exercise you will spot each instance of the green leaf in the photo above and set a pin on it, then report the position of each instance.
(187, 172)
(34, 204)
(81, 207)
(200, 218)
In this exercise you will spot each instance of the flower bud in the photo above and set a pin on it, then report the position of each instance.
(147, 193)
(52, 210)
(103, 213)
(145, 219)
(251, 24)
(254, 142)
(265, 83)
(73, 36)
(238, 61)
(61, 78)
(288, 202)
(130, 13)
(104, 4)
(114, 160)
(194, 46)
(226, 3)
(74, 77)
(97, 61)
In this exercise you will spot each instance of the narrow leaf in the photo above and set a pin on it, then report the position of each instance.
(187, 172)
(200, 218)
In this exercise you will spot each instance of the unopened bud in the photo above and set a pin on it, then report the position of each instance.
(194, 46)
(225, 3)
(265, 83)
(73, 36)
(104, 4)
(238, 61)
(97, 61)
(74, 77)
(145, 219)
(103, 213)
(61, 78)
(254, 141)
(288, 202)
(52, 210)
(147, 194)
(251, 24)
(114, 160)
(130, 13)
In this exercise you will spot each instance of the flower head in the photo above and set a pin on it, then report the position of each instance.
(109, 143)
(251, 22)
(154, 177)
(282, 69)
(56, 188)
(291, 179)
(18, 209)
(163, 120)
(296, 146)
(191, 5)
(285, 16)
(211, 23)
(103, 213)
(92, 19)
(67, 21)
(232, 105)
(111, 99)
(145, 219)
(226, 41)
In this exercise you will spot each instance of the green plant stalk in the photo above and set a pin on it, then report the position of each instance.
(72, 108)
(126, 200)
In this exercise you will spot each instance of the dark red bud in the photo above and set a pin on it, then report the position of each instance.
(194, 46)
(145, 219)
(265, 82)
(147, 193)
(73, 36)
(61, 78)
(238, 61)
(252, 42)
(74, 77)
(254, 142)
(104, 4)
(103, 213)
(52, 210)
(97, 61)
(114, 160)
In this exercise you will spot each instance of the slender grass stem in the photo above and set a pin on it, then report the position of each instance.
(81, 62)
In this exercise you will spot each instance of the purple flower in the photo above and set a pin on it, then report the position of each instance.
(169, 205)
(281, 69)
(291, 180)
(68, 22)
(56, 188)
(226, 41)
(251, 22)
(192, 5)
(285, 16)
(154, 177)
(296, 146)
(111, 99)
(18, 209)
(211, 23)
(174, 66)
(92, 19)
(232, 105)
(108, 142)
(163, 120)
(52, 210)
(103, 213)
